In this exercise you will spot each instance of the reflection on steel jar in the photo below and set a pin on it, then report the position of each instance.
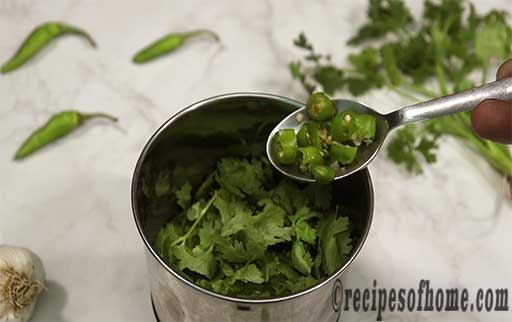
(200, 135)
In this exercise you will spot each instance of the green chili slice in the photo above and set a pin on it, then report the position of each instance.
(59, 125)
(340, 126)
(319, 107)
(309, 135)
(41, 36)
(362, 129)
(344, 154)
(352, 127)
(168, 44)
(284, 146)
(323, 174)
(309, 156)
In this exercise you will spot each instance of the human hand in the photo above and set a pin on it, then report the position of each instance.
(492, 119)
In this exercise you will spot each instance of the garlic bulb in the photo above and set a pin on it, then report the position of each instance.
(22, 279)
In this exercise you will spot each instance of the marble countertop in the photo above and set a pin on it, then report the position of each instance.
(71, 202)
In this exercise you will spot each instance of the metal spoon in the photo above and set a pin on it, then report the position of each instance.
(455, 103)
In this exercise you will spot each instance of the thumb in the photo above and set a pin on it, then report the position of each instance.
(492, 119)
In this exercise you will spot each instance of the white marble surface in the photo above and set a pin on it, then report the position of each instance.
(71, 202)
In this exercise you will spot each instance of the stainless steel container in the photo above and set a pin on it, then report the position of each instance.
(199, 135)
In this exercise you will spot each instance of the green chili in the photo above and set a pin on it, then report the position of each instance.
(353, 127)
(323, 174)
(344, 154)
(340, 126)
(59, 125)
(168, 44)
(319, 107)
(362, 129)
(309, 156)
(326, 142)
(284, 146)
(309, 135)
(38, 39)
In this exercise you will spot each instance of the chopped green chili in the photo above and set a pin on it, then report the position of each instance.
(362, 129)
(309, 135)
(340, 126)
(41, 36)
(309, 156)
(330, 138)
(323, 174)
(319, 107)
(344, 154)
(284, 146)
(59, 125)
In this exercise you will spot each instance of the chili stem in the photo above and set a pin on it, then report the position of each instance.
(99, 115)
(203, 31)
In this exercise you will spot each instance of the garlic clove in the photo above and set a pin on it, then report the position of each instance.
(22, 278)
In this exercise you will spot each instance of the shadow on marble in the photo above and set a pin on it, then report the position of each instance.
(50, 304)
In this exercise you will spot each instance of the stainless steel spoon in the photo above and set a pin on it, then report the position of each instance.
(455, 103)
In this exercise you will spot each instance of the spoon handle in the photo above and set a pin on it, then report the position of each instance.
(455, 103)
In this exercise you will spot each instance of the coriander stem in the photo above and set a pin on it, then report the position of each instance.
(183, 238)
(403, 93)
(422, 90)
(443, 87)
(485, 71)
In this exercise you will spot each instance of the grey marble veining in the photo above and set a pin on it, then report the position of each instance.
(70, 203)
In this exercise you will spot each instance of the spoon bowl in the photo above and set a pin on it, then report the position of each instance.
(365, 154)
(455, 103)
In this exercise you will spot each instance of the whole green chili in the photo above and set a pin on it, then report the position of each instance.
(38, 39)
(59, 125)
(168, 44)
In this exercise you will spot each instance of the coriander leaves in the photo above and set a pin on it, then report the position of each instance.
(446, 47)
(248, 235)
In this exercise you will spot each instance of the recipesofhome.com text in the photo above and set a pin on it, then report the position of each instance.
(423, 298)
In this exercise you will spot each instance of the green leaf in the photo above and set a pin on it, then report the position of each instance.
(389, 61)
(319, 195)
(268, 225)
(299, 74)
(410, 142)
(163, 184)
(330, 78)
(197, 260)
(209, 232)
(240, 177)
(165, 237)
(493, 40)
(288, 196)
(302, 283)
(236, 252)
(303, 230)
(302, 42)
(183, 195)
(193, 212)
(234, 213)
(402, 146)
(384, 16)
(248, 273)
(301, 258)
(247, 244)
(328, 228)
